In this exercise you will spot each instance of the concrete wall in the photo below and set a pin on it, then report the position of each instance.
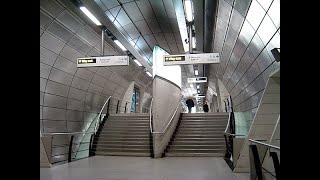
(127, 98)
(166, 97)
(71, 97)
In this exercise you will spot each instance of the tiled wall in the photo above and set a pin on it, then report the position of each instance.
(69, 96)
(246, 31)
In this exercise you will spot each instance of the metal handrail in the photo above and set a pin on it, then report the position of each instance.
(165, 129)
(229, 119)
(265, 144)
(95, 127)
(150, 116)
(234, 134)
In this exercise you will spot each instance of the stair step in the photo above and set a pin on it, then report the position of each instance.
(98, 149)
(123, 154)
(174, 154)
(198, 132)
(197, 150)
(198, 139)
(198, 136)
(126, 132)
(198, 146)
(127, 122)
(124, 141)
(125, 135)
(203, 126)
(130, 146)
(175, 142)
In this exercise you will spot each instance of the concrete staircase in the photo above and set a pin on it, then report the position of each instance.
(199, 134)
(123, 135)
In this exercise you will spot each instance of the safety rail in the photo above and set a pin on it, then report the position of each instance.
(168, 124)
(256, 164)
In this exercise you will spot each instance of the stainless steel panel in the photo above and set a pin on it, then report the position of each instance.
(60, 76)
(80, 83)
(94, 52)
(246, 33)
(41, 98)
(123, 18)
(265, 4)
(170, 38)
(247, 59)
(101, 5)
(110, 3)
(263, 60)
(218, 43)
(84, 74)
(154, 26)
(256, 45)
(54, 113)
(41, 31)
(57, 89)
(230, 1)
(160, 38)
(168, 4)
(150, 39)
(114, 12)
(45, 20)
(131, 30)
(110, 16)
(43, 83)
(133, 11)
(44, 70)
(89, 36)
(236, 20)
(255, 14)
(231, 37)
(224, 11)
(253, 71)
(60, 31)
(69, 21)
(54, 126)
(50, 42)
(259, 83)
(239, 48)
(51, 7)
(77, 94)
(65, 65)
(242, 6)
(98, 80)
(71, 53)
(145, 8)
(174, 48)
(94, 89)
(73, 104)
(165, 26)
(54, 101)
(165, 47)
(267, 72)
(274, 12)
(124, 32)
(266, 30)
(221, 28)
(143, 27)
(79, 44)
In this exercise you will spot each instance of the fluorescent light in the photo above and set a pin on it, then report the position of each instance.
(193, 42)
(137, 62)
(198, 90)
(196, 72)
(91, 16)
(198, 86)
(149, 74)
(188, 10)
(120, 45)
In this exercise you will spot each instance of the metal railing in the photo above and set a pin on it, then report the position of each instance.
(256, 164)
(168, 124)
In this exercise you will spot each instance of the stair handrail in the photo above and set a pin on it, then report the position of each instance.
(150, 115)
(229, 119)
(165, 129)
(99, 119)
(265, 144)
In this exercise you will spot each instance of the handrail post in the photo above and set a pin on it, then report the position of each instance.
(108, 108)
(90, 144)
(125, 108)
(117, 107)
(70, 148)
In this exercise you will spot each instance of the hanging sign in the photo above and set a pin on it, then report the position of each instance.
(197, 80)
(203, 58)
(103, 61)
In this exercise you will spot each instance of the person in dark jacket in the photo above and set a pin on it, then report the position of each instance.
(190, 104)
(205, 107)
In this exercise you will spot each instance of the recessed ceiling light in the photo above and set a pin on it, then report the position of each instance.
(90, 15)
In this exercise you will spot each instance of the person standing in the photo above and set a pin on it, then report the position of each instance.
(190, 104)
(205, 107)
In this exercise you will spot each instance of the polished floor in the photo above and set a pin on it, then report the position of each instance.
(143, 168)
